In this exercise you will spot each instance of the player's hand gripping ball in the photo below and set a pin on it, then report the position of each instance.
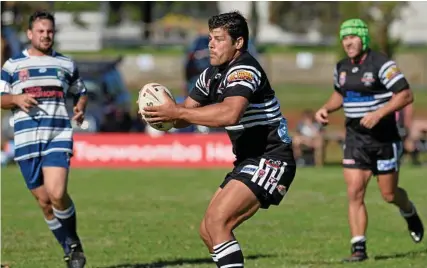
(152, 95)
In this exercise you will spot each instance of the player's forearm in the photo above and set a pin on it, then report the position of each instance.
(215, 115)
(408, 115)
(7, 102)
(82, 102)
(334, 103)
(397, 102)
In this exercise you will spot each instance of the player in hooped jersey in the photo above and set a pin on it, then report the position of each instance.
(370, 88)
(235, 93)
(33, 85)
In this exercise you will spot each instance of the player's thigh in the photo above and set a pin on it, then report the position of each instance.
(233, 205)
(388, 164)
(356, 180)
(269, 178)
(31, 170)
(55, 172)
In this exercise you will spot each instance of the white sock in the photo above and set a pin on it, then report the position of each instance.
(359, 238)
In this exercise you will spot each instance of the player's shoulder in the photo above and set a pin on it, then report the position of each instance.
(12, 63)
(379, 59)
(66, 61)
(245, 64)
(343, 62)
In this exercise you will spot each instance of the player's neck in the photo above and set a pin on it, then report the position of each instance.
(360, 58)
(236, 55)
(35, 52)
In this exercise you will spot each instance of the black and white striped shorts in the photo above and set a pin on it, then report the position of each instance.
(268, 178)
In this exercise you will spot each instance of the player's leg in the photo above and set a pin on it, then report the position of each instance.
(204, 235)
(357, 175)
(249, 188)
(55, 172)
(233, 205)
(32, 172)
(388, 178)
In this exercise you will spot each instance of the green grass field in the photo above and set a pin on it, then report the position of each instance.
(149, 218)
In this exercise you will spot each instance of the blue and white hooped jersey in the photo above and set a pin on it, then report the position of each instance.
(47, 127)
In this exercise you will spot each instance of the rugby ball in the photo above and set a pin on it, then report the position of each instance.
(152, 95)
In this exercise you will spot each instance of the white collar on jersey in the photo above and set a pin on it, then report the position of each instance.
(25, 52)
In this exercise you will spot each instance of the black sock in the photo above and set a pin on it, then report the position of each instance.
(59, 232)
(229, 253)
(68, 219)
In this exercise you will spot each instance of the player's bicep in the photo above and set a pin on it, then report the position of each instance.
(77, 86)
(392, 78)
(236, 106)
(337, 86)
(6, 80)
(243, 82)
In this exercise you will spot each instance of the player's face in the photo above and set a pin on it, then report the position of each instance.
(221, 47)
(352, 45)
(42, 35)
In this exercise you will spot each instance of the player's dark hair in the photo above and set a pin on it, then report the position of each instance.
(40, 15)
(234, 23)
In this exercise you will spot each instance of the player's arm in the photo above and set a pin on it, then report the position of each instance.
(7, 99)
(240, 84)
(394, 80)
(189, 103)
(226, 113)
(408, 116)
(78, 88)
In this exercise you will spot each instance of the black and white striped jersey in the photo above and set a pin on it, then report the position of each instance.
(366, 87)
(262, 130)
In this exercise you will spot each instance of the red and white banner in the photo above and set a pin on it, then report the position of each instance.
(139, 150)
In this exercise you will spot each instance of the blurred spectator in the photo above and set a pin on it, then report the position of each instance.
(412, 132)
(309, 138)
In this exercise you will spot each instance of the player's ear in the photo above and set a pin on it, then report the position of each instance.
(239, 42)
(30, 34)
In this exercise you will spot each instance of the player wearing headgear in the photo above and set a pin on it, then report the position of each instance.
(370, 88)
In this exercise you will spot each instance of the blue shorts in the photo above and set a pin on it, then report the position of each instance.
(31, 168)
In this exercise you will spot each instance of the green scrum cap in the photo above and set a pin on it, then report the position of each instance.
(358, 28)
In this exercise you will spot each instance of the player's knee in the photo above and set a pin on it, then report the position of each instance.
(215, 221)
(45, 205)
(203, 232)
(57, 196)
(355, 193)
(389, 197)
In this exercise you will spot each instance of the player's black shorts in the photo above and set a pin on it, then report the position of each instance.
(380, 160)
(268, 178)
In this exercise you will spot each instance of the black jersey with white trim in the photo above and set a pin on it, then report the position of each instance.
(365, 88)
(262, 130)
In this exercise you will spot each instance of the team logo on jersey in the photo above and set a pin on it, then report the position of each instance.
(355, 70)
(24, 75)
(368, 79)
(240, 75)
(281, 189)
(343, 75)
(392, 72)
(60, 74)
